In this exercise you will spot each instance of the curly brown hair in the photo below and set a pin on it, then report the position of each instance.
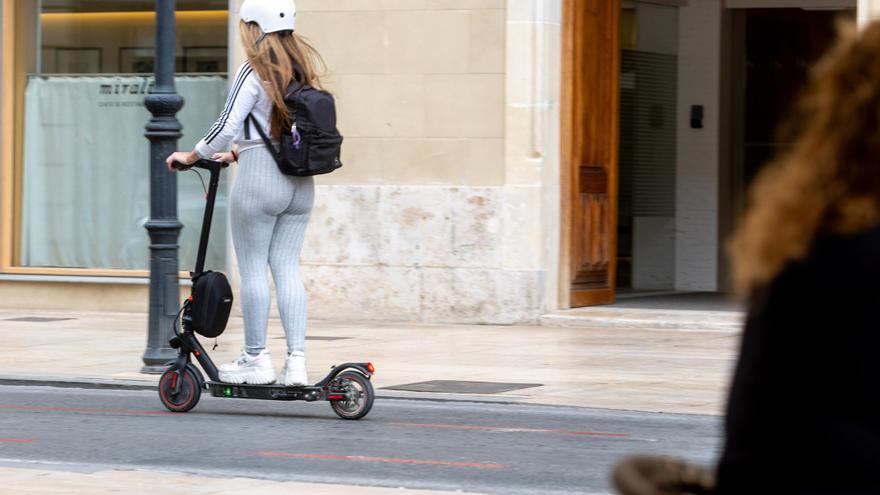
(828, 181)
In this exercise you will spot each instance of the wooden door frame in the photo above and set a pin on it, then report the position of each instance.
(572, 45)
(567, 144)
(7, 124)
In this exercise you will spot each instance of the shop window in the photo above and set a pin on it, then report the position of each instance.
(83, 161)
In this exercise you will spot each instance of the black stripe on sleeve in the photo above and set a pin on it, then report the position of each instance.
(239, 78)
(224, 117)
(228, 105)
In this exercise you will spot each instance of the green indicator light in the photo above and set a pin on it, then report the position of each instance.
(227, 392)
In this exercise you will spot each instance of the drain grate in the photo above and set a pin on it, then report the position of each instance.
(37, 319)
(462, 387)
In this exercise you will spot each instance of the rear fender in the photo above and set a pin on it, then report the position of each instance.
(356, 367)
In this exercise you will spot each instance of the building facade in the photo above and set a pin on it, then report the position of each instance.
(503, 158)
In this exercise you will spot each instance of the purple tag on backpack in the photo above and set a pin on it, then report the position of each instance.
(297, 139)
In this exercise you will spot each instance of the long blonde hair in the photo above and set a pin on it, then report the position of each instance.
(829, 180)
(275, 57)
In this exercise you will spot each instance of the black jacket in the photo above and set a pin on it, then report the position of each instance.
(804, 410)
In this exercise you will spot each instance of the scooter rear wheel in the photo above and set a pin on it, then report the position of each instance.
(188, 390)
(360, 399)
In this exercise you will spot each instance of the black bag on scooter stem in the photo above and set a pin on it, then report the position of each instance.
(211, 303)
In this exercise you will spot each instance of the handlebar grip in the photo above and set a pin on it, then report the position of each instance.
(204, 163)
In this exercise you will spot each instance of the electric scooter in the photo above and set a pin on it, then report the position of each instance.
(347, 387)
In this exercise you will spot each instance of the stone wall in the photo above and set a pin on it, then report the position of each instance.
(532, 143)
(421, 253)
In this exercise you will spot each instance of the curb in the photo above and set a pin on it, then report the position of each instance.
(83, 383)
(684, 321)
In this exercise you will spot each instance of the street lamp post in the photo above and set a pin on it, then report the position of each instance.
(163, 131)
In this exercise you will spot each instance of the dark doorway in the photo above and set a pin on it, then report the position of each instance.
(768, 55)
(780, 47)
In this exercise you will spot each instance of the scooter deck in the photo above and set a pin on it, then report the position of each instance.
(272, 391)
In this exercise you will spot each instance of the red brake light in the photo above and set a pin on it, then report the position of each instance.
(371, 368)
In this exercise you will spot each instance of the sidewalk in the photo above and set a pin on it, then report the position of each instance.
(30, 481)
(637, 363)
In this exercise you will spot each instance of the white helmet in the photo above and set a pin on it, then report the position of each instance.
(270, 15)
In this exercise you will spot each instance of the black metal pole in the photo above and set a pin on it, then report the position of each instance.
(163, 131)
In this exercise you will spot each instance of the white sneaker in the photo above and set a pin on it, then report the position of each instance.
(255, 370)
(294, 372)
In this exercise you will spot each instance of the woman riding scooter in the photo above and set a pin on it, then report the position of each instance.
(269, 211)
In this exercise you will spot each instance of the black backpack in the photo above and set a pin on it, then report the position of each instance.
(313, 145)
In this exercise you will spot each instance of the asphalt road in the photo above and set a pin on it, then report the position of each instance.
(491, 448)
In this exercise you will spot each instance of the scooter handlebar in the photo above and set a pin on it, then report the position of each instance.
(209, 165)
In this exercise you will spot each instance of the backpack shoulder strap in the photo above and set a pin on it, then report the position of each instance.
(275, 154)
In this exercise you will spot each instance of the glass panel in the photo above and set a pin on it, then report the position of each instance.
(117, 37)
(647, 158)
(85, 158)
(86, 182)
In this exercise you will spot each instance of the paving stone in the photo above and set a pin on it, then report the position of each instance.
(623, 367)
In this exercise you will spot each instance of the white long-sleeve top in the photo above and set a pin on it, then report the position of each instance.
(246, 96)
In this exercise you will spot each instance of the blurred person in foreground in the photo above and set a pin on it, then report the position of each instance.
(803, 416)
(804, 409)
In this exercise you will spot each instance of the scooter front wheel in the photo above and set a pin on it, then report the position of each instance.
(179, 391)
(360, 395)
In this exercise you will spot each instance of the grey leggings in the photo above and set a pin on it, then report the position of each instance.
(269, 212)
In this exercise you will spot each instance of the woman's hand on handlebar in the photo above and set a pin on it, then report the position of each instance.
(184, 157)
(227, 157)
